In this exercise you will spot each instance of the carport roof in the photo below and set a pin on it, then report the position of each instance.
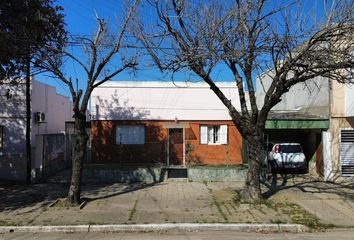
(296, 120)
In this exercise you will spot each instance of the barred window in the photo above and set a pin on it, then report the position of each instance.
(130, 135)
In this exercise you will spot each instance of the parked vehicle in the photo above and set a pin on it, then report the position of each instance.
(287, 156)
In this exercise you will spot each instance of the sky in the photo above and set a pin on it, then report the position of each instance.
(80, 17)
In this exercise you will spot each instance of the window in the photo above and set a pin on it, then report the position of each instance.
(216, 134)
(1, 137)
(347, 152)
(130, 135)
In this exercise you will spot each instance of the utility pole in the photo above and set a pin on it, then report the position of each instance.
(28, 121)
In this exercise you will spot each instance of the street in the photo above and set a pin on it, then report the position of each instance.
(226, 235)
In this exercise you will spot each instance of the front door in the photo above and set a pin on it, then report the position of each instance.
(176, 146)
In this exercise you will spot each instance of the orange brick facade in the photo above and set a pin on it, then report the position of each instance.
(155, 150)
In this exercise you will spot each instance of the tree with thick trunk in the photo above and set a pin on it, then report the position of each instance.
(247, 38)
(26, 28)
(105, 59)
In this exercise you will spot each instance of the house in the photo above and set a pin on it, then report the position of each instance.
(49, 111)
(302, 116)
(142, 123)
(319, 114)
(340, 138)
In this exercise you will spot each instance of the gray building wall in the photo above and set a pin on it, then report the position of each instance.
(13, 121)
(309, 98)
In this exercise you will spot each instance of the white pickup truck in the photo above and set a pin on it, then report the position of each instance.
(285, 156)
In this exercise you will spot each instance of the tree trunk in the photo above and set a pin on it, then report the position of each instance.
(78, 158)
(252, 190)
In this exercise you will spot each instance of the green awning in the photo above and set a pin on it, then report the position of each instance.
(297, 124)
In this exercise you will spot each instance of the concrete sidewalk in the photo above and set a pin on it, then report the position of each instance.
(332, 203)
(178, 202)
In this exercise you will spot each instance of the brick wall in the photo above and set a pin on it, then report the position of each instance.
(154, 151)
(214, 154)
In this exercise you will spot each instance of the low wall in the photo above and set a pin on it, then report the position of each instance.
(112, 173)
(200, 174)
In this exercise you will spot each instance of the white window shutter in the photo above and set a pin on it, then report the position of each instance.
(223, 134)
(203, 135)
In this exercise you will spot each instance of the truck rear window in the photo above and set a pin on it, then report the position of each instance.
(290, 148)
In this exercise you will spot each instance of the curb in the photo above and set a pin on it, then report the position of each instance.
(294, 228)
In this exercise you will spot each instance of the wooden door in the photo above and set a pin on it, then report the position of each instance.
(176, 146)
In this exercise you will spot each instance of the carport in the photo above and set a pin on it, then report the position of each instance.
(306, 130)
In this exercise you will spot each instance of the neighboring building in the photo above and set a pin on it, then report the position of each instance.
(341, 136)
(49, 112)
(302, 116)
(165, 124)
(320, 115)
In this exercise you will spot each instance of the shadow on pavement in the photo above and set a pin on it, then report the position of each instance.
(29, 198)
(303, 182)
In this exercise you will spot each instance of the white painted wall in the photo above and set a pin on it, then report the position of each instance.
(349, 100)
(127, 100)
(57, 109)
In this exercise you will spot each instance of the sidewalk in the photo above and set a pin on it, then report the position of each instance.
(332, 203)
(177, 202)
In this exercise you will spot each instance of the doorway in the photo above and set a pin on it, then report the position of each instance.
(175, 146)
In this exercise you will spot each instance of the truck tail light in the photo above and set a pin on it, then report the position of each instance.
(276, 149)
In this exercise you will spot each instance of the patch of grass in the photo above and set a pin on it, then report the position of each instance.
(237, 198)
(133, 210)
(47, 221)
(64, 203)
(277, 221)
(300, 216)
(30, 221)
(94, 223)
(218, 206)
(7, 222)
(227, 209)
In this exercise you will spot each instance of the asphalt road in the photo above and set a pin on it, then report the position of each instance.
(224, 235)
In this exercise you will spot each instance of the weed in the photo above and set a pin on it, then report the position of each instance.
(218, 205)
(227, 209)
(64, 203)
(277, 221)
(92, 223)
(30, 221)
(7, 223)
(300, 216)
(133, 210)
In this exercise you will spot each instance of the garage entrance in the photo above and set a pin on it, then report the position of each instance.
(306, 132)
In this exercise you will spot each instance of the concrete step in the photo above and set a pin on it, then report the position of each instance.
(177, 180)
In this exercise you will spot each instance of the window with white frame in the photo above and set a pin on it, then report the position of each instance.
(130, 135)
(1, 137)
(213, 134)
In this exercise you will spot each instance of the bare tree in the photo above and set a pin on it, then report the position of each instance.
(247, 37)
(103, 59)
